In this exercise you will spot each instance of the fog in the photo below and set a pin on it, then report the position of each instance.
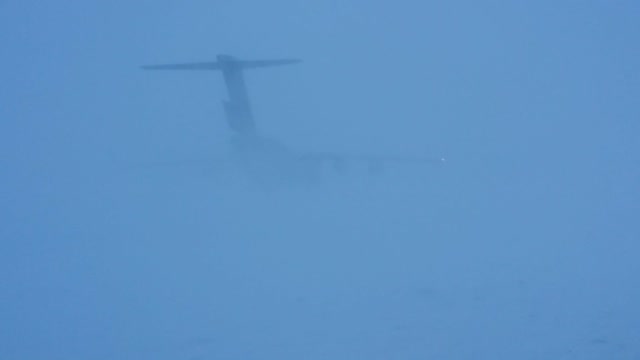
(123, 237)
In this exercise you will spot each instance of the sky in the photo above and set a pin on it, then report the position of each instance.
(121, 238)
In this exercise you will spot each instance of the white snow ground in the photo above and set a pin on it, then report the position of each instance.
(165, 264)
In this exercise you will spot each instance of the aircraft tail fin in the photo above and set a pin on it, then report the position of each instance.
(237, 108)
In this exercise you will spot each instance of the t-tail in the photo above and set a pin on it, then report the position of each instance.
(238, 107)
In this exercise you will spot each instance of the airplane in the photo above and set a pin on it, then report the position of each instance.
(263, 156)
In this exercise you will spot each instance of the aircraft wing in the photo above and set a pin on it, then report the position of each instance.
(372, 163)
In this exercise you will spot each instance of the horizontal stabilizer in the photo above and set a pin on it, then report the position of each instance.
(211, 65)
(266, 63)
(224, 62)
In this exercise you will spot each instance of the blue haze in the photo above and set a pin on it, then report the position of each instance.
(119, 240)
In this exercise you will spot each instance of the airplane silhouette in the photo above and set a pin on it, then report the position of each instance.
(261, 154)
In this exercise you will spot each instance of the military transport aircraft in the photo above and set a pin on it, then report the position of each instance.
(263, 156)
